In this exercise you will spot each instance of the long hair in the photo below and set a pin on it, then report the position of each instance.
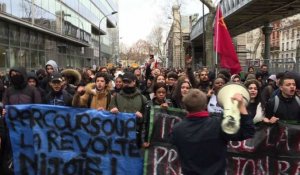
(258, 85)
(177, 96)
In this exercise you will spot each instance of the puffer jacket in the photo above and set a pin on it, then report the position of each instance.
(92, 98)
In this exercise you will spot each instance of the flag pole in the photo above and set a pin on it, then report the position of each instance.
(226, 56)
(217, 45)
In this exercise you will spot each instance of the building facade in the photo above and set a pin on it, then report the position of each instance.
(177, 40)
(275, 40)
(67, 31)
(290, 40)
(284, 45)
(290, 34)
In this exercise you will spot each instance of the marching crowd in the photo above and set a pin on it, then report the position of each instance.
(136, 90)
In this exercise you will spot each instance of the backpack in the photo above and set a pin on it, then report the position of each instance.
(276, 104)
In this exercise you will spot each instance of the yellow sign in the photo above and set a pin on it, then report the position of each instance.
(110, 65)
(134, 65)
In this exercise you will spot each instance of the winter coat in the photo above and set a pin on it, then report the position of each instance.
(92, 98)
(131, 103)
(39, 89)
(288, 108)
(202, 145)
(24, 94)
(62, 98)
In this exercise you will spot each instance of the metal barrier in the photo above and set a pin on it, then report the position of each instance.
(276, 65)
(282, 65)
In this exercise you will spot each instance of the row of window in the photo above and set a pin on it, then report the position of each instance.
(291, 34)
(20, 46)
(57, 17)
(90, 10)
(49, 15)
(287, 55)
(290, 56)
(292, 45)
(287, 34)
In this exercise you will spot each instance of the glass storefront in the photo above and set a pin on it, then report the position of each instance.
(20, 46)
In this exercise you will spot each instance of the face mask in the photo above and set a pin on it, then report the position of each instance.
(129, 90)
(40, 77)
(17, 80)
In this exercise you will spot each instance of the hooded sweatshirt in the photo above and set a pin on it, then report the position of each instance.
(53, 64)
(40, 90)
(45, 82)
(21, 93)
(18, 93)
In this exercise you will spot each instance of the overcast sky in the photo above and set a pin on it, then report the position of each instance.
(138, 17)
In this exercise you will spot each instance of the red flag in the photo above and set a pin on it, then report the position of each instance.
(223, 45)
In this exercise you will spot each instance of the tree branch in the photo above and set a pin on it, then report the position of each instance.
(210, 5)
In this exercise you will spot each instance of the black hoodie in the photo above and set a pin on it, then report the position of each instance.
(21, 94)
(32, 75)
(16, 94)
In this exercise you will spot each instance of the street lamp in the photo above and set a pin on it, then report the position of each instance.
(112, 13)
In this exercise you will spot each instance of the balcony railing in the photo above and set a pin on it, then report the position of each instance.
(275, 48)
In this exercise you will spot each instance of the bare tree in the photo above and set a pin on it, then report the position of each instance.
(156, 40)
(208, 28)
(137, 53)
(257, 42)
(123, 52)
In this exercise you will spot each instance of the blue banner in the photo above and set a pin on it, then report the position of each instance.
(61, 140)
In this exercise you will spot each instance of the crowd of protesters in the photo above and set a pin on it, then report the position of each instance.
(136, 90)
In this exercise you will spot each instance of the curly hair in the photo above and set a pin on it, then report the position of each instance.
(247, 83)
